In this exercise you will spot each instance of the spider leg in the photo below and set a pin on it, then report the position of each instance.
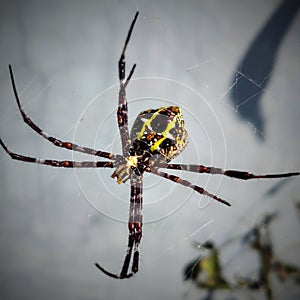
(122, 58)
(230, 173)
(124, 271)
(135, 223)
(58, 163)
(53, 140)
(135, 230)
(122, 112)
(125, 264)
(188, 184)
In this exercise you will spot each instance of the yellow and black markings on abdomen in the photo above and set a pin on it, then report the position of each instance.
(159, 131)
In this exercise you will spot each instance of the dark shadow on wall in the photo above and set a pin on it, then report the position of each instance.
(277, 187)
(255, 69)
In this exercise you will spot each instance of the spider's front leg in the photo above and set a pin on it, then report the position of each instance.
(135, 224)
(122, 112)
(55, 141)
(57, 163)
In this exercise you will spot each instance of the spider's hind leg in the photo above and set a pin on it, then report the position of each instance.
(122, 58)
(122, 112)
(186, 183)
(243, 175)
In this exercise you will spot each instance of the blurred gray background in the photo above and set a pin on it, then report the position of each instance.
(234, 68)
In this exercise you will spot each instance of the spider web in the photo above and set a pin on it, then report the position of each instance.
(248, 96)
(50, 234)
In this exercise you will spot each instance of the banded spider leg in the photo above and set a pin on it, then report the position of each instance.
(156, 132)
(51, 139)
(243, 175)
(136, 181)
(135, 224)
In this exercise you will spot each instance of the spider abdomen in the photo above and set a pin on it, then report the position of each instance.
(159, 131)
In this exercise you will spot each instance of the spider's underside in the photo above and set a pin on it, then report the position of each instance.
(156, 137)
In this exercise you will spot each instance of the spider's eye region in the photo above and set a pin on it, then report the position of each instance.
(159, 131)
(132, 161)
(122, 171)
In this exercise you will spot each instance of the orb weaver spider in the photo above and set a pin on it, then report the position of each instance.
(156, 137)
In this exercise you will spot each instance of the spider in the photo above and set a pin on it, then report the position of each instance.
(156, 137)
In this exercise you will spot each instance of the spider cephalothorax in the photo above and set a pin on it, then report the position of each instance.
(157, 136)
